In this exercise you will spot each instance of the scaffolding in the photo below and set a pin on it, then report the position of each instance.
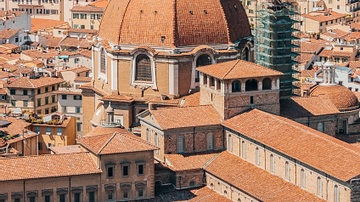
(276, 41)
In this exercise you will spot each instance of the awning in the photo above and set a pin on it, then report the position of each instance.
(63, 57)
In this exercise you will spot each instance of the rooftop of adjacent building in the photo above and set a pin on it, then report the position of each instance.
(323, 16)
(28, 83)
(40, 24)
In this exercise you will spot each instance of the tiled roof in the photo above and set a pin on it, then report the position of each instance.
(355, 26)
(316, 149)
(342, 97)
(335, 33)
(42, 24)
(352, 36)
(100, 3)
(354, 65)
(122, 98)
(16, 127)
(205, 194)
(84, 31)
(66, 92)
(296, 107)
(87, 8)
(120, 141)
(86, 53)
(174, 23)
(38, 54)
(311, 46)
(304, 57)
(9, 13)
(82, 79)
(180, 162)
(324, 16)
(7, 33)
(255, 181)
(332, 53)
(169, 118)
(80, 69)
(237, 69)
(46, 166)
(74, 42)
(25, 82)
(67, 149)
(192, 100)
(52, 41)
(308, 73)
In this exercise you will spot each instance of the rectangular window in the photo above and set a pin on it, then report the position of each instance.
(53, 88)
(40, 146)
(25, 92)
(77, 97)
(46, 89)
(82, 26)
(180, 144)
(140, 169)
(77, 197)
(75, 15)
(98, 16)
(46, 198)
(125, 194)
(140, 192)
(110, 171)
(272, 163)
(91, 196)
(83, 16)
(39, 102)
(78, 109)
(156, 142)
(76, 60)
(48, 130)
(59, 131)
(53, 98)
(12, 92)
(62, 198)
(64, 97)
(243, 149)
(210, 141)
(125, 170)
(47, 111)
(13, 103)
(92, 16)
(32, 199)
(17, 200)
(78, 127)
(46, 100)
(38, 91)
(25, 103)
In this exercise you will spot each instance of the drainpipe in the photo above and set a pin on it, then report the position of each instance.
(69, 188)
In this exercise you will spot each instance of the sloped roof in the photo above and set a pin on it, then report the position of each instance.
(237, 69)
(256, 181)
(7, 33)
(297, 107)
(169, 118)
(25, 82)
(42, 24)
(120, 141)
(46, 166)
(316, 149)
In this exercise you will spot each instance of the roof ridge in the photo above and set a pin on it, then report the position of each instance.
(107, 142)
(231, 68)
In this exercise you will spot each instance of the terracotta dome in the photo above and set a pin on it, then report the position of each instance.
(342, 97)
(174, 23)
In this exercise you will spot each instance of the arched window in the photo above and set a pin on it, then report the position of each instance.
(319, 187)
(266, 84)
(272, 163)
(257, 156)
(251, 85)
(202, 60)
(236, 86)
(143, 68)
(209, 141)
(246, 54)
(287, 170)
(102, 61)
(302, 178)
(320, 127)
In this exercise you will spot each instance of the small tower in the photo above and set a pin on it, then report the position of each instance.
(235, 86)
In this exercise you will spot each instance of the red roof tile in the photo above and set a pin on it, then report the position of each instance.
(169, 118)
(205, 194)
(7, 33)
(316, 149)
(46, 166)
(237, 69)
(42, 24)
(120, 141)
(24, 82)
(256, 181)
(324, 16)
(178, 23)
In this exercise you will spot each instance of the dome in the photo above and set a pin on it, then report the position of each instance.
(174, 23)
(342, 97)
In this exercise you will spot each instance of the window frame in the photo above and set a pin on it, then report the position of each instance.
(134, 81)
